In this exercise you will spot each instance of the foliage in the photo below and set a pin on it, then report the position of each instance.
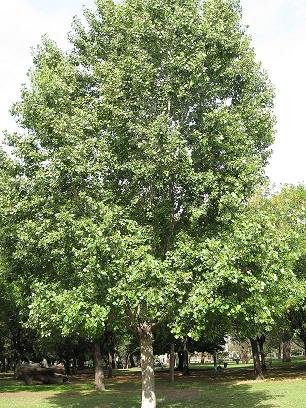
(138, 148)
(161, 117)
(246, 278)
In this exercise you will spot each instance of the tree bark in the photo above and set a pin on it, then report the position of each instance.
(180, 366)
(256, 360)
(286, 351)
(114, 365)
(186, 359)
(126, 361)
(302, 336)
(81, 363)
(110, 365)
(261, 339)
(172, 362)
(99, 375)
(215, 362)
(74, 366)
(244, 353)
(286, 347)
(132, 362)
(147, 366)
(279, 353)
(67, 366)
(3, 365)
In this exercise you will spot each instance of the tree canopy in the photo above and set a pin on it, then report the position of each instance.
(140, 143)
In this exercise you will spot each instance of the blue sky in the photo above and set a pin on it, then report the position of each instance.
(278, 30)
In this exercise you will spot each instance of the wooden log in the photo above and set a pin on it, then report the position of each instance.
(49, 375)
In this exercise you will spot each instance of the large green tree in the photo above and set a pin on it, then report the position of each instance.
(186, 113)
(153, 129)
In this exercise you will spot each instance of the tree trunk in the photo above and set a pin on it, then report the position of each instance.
(302, 336)
(147, 366)
(132, 362)
(9, 364)
(81, 363)
(126, 359)
(114, 365)
(186, 359)
(180, 366)
(286, 347)
(67, 366)
(74, 365)
(261, 339)
(172, 363)
(256, 360)
(215, 362)
(244, 353)
(3, 365)
(279, 353)
(99, 375)
(110, 365)
(304, 341)
(286, 351)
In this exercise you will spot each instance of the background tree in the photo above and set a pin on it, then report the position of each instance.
(249, 270)
(297, 313)
(18, 342)
(272, 242)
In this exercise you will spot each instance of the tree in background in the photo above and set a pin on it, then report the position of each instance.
(249, 271)
(297, 313)
(18, 342)
(290, 207)
(271, 242)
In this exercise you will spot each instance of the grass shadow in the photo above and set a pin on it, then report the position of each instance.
(231, 389)
(181, 395)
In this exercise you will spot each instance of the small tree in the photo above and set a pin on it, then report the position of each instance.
(297, 313)
(249, 272)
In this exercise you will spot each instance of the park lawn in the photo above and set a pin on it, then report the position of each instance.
(187, 392)
(295, 362)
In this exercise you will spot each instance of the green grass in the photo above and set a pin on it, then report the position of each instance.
(285, 388)
(275, 363)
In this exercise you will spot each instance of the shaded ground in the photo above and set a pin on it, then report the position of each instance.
(285, 387)
(238, 373)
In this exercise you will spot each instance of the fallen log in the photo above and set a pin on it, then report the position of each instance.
(30, 373)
